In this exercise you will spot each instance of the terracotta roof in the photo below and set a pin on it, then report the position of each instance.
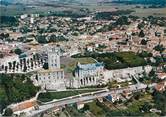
(24, 105)
(160, 87)
(51, 70)
(162, 75)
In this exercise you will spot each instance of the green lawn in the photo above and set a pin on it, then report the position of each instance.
(118, 60)
(73, 112)
(95, 109)
(49, 96)
(130, 58)
(70, 66)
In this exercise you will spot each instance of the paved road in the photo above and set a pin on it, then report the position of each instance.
(82, 98)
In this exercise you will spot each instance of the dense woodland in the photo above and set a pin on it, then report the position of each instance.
(15, 88)
(109, 15)
(8, 21)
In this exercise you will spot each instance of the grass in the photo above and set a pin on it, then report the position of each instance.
(95, 109)
(141, 12)
(70, 66)
(12, 10)
(130, 58)
(73, 112)
(115, 84)
(49, 96)
(133, 107)
(150, 11)
(119, 60)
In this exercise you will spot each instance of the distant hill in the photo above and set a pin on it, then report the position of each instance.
(5, 2)
(50, 1)
(152, 2)
(155, 2)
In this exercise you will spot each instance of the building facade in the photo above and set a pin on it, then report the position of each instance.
(53, 57)
(88, 74)
(53, 77)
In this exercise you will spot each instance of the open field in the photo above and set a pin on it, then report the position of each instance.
(44, 9)
(95, 109)
(141, 12)
(13, 10)
(45, 97)
(69, 64)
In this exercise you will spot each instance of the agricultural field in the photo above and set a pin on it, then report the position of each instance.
(44, 9)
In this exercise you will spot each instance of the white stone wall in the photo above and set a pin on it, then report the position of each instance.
(87, 77)
(53, 58)
(52, 80)
(124, 74)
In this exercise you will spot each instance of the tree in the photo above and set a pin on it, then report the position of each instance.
(141, 25)
(152, 73)
(144, 42)
(136, 95)
(145, 54)
(10, 65)
(141, 34)
(18, 51)
(164, 30)
(159, 48)
(53, 38)
(41, 39)
(159, 100)
(123, 20)
(146, 107)
(25, 68)
(45, 66)
(86, 107)
(16, 88)
(8, 112)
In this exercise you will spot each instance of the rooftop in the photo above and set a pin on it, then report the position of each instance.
(50, 70)
(89, 66)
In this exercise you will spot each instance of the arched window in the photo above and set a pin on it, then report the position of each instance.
(87, 79)
(93, 79)
(90, 79)
(81, 82)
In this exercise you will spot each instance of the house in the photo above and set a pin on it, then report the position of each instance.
(80, 105)
(24, 106)
(161, 76)
(161, 86)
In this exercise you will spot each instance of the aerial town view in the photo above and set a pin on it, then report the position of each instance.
(82, 58)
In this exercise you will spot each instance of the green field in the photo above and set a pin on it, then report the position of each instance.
(12, 10)
(95, 109)
(69, 64)
(49, 96)
(22, 9)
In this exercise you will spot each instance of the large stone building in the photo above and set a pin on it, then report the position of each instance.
(53, 77)
(87, 74)
(126, 74)
(53, 57)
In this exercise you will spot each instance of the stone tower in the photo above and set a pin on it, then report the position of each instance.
(53, 57)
